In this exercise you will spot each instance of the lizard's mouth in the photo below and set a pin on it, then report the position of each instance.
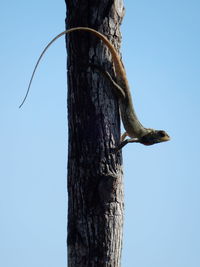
(165, 138)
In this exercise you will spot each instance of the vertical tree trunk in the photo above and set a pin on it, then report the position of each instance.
(95, 188)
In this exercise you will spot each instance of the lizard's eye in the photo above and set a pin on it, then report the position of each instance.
(161, 133)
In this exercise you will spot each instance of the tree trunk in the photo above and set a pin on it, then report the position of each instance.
(95, 187)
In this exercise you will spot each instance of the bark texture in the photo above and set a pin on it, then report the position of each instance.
(95, 187)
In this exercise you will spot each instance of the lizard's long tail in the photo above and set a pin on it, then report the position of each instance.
(116, 60)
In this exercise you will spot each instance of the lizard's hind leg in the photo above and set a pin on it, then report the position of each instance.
(118, 90)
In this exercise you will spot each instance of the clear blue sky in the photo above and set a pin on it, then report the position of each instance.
(161, 41)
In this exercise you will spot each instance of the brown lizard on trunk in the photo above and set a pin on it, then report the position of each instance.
(134, 129)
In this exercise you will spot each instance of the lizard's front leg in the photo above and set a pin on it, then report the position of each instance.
(124, 135)
(126, 141)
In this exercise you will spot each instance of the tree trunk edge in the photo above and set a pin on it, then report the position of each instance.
(95, 176)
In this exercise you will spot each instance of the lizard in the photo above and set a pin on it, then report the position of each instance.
(134, 129)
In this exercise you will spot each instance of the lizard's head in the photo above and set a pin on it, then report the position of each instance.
(154, 137)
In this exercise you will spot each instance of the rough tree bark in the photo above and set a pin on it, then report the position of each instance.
(95, 187)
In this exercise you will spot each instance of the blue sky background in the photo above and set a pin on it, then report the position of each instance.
(161, 41)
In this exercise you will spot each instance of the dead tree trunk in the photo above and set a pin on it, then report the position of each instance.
(95, 187)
